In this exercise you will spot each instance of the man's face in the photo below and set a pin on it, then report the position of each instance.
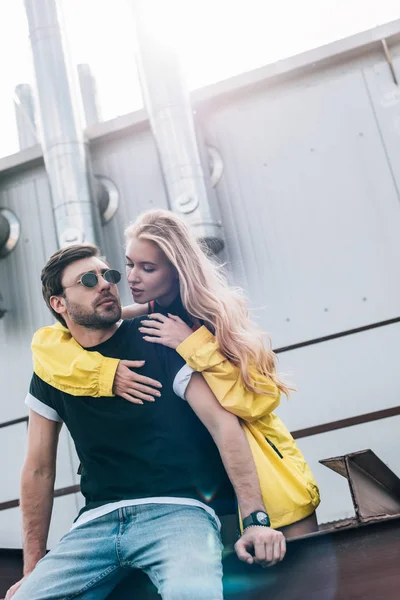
(96, 308)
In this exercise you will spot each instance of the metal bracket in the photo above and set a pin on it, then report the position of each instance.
(107, 197)
(10, 231)
(389, 61)
(216, 165)
(374, 488)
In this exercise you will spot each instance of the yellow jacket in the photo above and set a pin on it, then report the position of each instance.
(289, 490)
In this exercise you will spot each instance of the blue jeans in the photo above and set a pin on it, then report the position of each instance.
(179, 547)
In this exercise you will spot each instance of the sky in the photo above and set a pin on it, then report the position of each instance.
(215, 39)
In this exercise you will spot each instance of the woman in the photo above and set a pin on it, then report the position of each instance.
(167, 268)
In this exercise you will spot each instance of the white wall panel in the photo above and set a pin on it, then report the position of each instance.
(10, 528)
(28, 196)
(309, 203)
(342, 378)
(310, 206)
(132, 163)
(12, 453)
(65, 510)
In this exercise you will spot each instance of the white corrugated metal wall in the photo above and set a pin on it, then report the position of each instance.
(310, 207)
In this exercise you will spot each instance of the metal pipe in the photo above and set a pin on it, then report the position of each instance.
(168, 104)
(63, 142)
(88, 87)
(25, 116)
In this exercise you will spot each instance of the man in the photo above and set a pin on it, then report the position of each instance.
(152, 475)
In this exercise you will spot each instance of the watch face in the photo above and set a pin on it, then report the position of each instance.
(262, 518)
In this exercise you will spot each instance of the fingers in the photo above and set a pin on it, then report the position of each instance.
(276, 552)
(136, 378)
(147, 381)
(140, 395)
(132, 364)
(154, 324)
(158, 317)
(175, 318)
(137, 394)
(261, 552)
(150, 331)
(269, 546)
(145, 389)
(12, 591)
(155, 340)
(282, 547)
(138, 398)
(130, 398)
(242, 553)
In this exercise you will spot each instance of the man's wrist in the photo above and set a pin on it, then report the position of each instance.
(259, 518)
(247, 509)
(30, 565)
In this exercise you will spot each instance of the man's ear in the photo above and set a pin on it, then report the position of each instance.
(57, 303)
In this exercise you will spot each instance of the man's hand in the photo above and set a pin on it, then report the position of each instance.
(268, 546)
(169, 331)
(14, 588)
(133, 387)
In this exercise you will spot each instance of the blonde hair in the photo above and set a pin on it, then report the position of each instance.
(207, 296)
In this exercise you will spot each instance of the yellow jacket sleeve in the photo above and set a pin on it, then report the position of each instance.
(59, 360)
(201, 352)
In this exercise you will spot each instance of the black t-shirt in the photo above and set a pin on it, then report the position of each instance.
(131, 451)
(175, 308)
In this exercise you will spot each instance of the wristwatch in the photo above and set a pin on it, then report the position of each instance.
(259, 518)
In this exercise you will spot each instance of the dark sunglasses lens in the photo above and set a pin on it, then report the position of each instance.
(112, 276)
(89, 280)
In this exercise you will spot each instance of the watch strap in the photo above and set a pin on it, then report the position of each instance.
(258, 518)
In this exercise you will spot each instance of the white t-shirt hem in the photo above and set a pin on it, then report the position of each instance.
(96, 513)
(42, 409)
(181, 381)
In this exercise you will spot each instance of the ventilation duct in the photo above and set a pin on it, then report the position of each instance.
(64, 148)
(168, 105)
(87, 84)
(107, 196)
(25, 116)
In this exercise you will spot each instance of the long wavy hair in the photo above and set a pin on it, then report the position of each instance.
(207, 296)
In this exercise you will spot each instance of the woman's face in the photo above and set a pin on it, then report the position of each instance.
(150, 274)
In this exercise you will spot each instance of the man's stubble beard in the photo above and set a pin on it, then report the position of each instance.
(91, 318)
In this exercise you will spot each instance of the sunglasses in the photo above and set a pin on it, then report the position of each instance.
(90, 280)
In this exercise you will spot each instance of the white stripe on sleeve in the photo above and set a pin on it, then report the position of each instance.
(42, 409)
(181, 381)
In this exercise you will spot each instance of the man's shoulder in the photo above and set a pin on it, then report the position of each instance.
(131, 326)
(128, 337)
(151, 350)
(43, 399)
(41, 387)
